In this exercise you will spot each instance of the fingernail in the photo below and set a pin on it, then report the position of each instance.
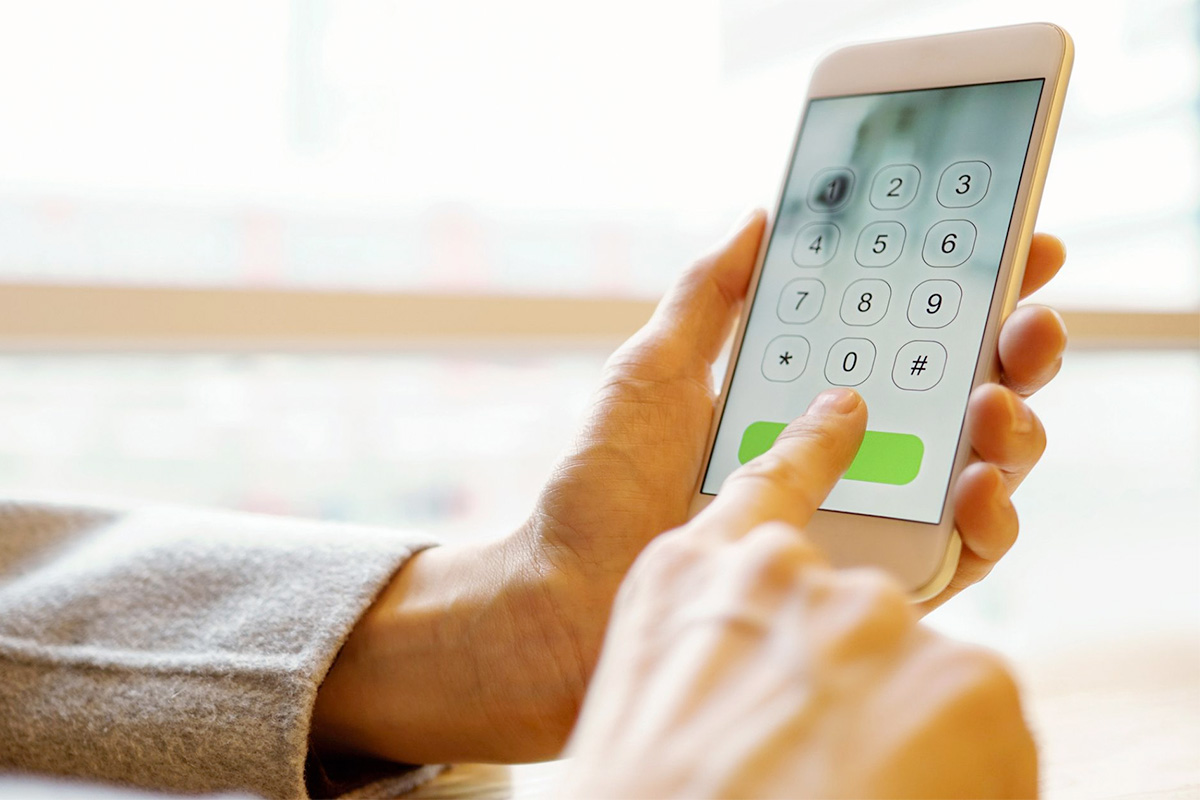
(1022, 415)
(835, 401)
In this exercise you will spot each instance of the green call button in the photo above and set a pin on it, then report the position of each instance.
(884, 457)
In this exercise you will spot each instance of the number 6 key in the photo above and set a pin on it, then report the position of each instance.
(949, 243)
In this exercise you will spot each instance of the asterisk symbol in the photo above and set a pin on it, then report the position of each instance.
(786, 358)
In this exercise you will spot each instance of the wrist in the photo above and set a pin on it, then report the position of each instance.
(460, 658)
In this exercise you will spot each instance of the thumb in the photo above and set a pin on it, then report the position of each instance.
(694, 317)
(791, 480)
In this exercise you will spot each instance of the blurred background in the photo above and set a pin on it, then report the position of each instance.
(362, 261)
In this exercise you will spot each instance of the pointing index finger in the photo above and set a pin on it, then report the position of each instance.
(792, 479)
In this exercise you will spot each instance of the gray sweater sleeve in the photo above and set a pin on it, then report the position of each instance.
(179, 650)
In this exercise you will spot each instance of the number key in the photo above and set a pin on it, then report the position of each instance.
(850, 362)
(934, 304)
(815, 244)
(800, 301)
(830, 189)
(785, 358)
(964, 184)
(919, 366)
(895, 186)
(865, 302)
(879, 244)
(949, 243)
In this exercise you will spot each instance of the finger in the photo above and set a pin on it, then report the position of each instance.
(1004, 431)
(987, 524)
(1046, 256)
(984, 512)
(1032, 342)
(792, 479)
(698, 311)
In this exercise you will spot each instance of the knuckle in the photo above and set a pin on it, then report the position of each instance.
(880, 590)
(664, 563)
(1039, 438)
(772, 555)
(994, 679)
(870, 612)
(635, 358)
(666, 556)
(697, 274)
(987, 684)
(650, 367)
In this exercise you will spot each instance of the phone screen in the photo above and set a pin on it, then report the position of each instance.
(879, 275)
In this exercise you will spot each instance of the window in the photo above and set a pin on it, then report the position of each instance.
(520, 148)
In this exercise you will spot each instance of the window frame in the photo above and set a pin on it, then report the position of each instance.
(80, 317)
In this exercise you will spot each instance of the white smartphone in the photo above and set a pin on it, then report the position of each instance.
(896, 249)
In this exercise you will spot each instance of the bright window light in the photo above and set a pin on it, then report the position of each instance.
(529, 146)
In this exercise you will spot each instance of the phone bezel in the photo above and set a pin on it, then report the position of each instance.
(923, 556)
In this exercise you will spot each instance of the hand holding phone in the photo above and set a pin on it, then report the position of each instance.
(896, 250)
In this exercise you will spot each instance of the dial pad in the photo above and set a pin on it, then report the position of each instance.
(895, 222)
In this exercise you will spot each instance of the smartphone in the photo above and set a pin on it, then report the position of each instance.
(895, 251)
